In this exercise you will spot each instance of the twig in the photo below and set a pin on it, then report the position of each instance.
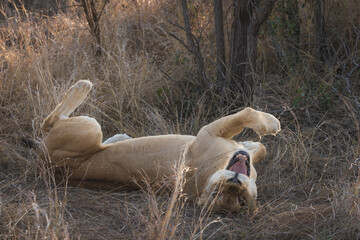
(161, 70)
(182, 42)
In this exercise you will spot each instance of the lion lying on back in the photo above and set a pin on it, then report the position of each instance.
(222, 170)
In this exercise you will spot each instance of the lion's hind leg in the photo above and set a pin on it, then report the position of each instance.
(74, 97)
(72, 140)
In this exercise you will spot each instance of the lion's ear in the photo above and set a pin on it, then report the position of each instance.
(205, 199)
(202, 200)
(256, 149)
(259, 155)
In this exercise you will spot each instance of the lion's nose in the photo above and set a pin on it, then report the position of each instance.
(235, 179)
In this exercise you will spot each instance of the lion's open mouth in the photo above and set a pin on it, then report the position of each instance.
(240, 163)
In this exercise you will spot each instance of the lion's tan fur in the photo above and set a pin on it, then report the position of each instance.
(76, 143)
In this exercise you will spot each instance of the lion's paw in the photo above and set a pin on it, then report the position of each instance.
(272, 124)
(266, 124)
(82, 87)
(73, 98)
(77, 93)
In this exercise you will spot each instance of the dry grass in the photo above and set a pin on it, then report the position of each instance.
(308, 185)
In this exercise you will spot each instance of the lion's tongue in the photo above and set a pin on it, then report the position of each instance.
(239, 167)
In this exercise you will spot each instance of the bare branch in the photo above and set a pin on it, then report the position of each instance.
(161, 70)
(182, 42)
(102, 9)
(182, 28)
(263, 15)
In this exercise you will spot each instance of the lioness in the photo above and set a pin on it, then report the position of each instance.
(222, 170)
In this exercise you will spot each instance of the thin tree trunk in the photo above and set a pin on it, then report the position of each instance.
(220, 42)
(189, 36)
(252, 42)
(251, 67)
(290, 31)
(92, 18)
(292, 11)
(238, 47)
(319, 11)
(193, 46)
(244, 38)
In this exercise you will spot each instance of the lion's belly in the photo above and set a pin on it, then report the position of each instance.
(151, 157)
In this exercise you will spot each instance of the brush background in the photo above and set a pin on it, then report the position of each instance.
(145, 84)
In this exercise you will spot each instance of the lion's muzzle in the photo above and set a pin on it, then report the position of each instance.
(235, 179)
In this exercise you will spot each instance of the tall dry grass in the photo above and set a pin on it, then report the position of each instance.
(144, 84)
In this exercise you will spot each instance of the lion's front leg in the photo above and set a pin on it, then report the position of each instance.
(74, 97)
(229, 126)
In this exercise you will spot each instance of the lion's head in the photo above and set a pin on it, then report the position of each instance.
(232, 189)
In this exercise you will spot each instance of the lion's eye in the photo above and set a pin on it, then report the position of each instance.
(242, 202)
(216, 194)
